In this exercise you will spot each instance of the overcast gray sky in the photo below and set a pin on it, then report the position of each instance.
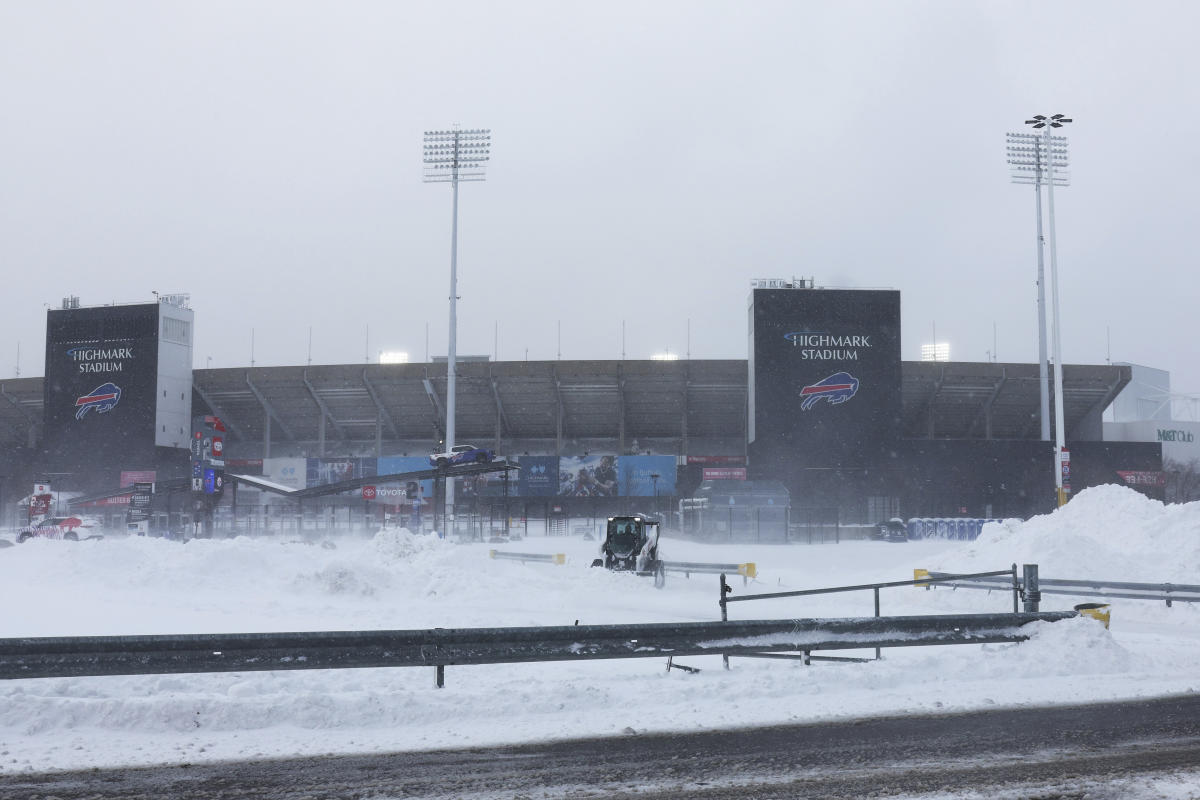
(649, 159)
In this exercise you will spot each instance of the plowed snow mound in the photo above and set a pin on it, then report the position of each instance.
(1107, 533)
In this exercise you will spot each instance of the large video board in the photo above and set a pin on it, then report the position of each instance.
(824, 378)
(100, 385)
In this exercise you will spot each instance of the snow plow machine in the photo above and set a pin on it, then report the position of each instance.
(631, 545)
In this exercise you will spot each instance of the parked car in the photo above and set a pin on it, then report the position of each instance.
(462, 454)
(52, 528)
(894, 530)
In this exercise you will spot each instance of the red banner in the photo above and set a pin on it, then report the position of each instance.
(733, 460)
(723, 474)
(131, 476)
(1143, 477)
(118, 500)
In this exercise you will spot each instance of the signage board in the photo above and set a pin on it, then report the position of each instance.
(1143, 477)
(539, 476)
(139, 502)
(723, 474)
(99, 393)
(647, 476)
(824, 379)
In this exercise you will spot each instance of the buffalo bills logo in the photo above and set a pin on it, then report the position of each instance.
(837, 388)
(103, 398)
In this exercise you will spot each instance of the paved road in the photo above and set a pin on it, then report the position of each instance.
(1094, 752)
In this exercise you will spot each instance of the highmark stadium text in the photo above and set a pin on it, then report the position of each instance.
(824, 347)
(92, 359)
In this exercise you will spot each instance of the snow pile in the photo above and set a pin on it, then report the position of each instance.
(1105, 533)
(399, 580)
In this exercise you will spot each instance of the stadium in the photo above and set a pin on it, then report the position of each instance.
(823, 418)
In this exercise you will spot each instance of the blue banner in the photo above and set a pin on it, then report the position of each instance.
(635, 476)
(539, 476)
(421, 491)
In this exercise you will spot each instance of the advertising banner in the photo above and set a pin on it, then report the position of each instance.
(131, 476)
(727, 460)
(290, 472)
(1142, 477)
(637, 476)
(320, 471)
(723, 474)
(824, 379)
(588, 476)
(491, 484)
(40, 502)
(99, 391)
(538, 477)
(420, 492)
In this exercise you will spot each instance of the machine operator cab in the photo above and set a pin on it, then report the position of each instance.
(631, 545)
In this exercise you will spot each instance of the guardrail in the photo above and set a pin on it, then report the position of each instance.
(1166, 592)
(747, 571)
(62, 657)
(550, 558)
(725, 589)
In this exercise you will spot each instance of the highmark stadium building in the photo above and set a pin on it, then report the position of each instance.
(822, 423)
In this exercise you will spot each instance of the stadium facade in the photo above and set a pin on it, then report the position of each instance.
(823, 404)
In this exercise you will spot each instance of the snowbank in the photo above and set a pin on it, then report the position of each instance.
(398, 580)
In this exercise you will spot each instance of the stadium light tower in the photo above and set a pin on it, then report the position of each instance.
(1027, 163)
(452, 156)
(1048, 152)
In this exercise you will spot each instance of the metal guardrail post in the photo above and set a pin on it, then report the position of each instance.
(725, 589)
(1016, 588)
(1033, 596)
(878, 653)
(440, 679)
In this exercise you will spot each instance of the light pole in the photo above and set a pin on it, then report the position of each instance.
(1028, 159)
(452, 156)
(1047, 125)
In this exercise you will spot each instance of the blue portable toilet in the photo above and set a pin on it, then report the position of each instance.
(914, 528)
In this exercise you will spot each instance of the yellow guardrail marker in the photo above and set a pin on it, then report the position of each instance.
(748, 570)
(920, 575)
(560, 558)
(1101, 612)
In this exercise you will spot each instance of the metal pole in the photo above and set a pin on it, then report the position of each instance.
(1016, 589)
(1033, 594)
(725, 589)
(878, 654)
(1056, 331)
(452, 356)
(1043, 370)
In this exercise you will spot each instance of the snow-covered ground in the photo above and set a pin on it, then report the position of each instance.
(395, 580)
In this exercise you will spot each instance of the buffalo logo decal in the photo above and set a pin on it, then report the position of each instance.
(837, 388)
(103, 398)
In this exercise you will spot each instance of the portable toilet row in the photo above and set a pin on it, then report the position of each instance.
(956, 528)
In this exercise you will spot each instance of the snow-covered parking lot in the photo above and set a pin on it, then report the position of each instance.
(395, 580)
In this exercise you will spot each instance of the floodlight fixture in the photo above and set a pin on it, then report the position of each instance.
(1029, 158)
(393, 357)
(452, 156)
(457, 155)
(935, 351)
